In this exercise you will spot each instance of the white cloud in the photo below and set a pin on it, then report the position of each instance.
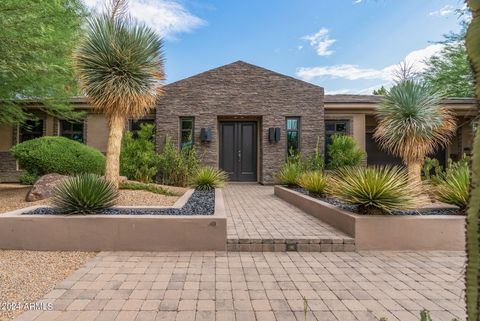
(363, 91)
(321, 42)
(443, 11)
(415, 58)
(357, 1)
(167, 17)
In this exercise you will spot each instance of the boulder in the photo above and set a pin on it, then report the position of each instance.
(44, 187)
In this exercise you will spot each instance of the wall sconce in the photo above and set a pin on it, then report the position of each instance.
(205, 135)
(273, 134)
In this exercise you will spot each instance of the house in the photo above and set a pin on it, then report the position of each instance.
(244, 119)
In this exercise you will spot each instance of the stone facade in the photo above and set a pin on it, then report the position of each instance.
(241, 91)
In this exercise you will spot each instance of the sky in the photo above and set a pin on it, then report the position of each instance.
(345, 46)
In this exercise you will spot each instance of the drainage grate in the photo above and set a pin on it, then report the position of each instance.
(291, 247)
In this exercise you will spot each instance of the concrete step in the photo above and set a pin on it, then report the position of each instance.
(345, 244)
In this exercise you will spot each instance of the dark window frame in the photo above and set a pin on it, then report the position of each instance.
(69, 133)
(297, 130)
(29, 133)
(182, 130)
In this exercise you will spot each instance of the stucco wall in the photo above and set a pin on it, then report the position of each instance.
(241, 89)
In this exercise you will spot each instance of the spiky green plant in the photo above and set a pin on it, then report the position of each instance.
(208, 178)
(412, 123)
(472, 298)
(314, 182)
(289, 173)
(119, 63)
(84, 194)
(375, 189)
(453, 186)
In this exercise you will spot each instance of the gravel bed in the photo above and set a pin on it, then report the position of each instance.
(200, 203)
(354, 209)
(12, 197)
(26, 276)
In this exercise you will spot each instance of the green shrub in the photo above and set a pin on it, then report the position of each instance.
(208, 178)
(28, 178)
(176, 167)
(453, 186)
(314, 182)
(375, 190)
(153, 188)
(343, 151)
(429, 165)
(138, 159)
(84, 194)
(289, 173)
(53, 154)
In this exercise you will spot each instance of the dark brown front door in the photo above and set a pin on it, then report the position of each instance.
(238, 150)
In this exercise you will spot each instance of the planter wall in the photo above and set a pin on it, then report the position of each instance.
(385, 232)
(115, 232)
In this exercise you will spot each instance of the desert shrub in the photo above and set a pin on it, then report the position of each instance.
(84, 194)
(431, 169)
(138, 159)
(28, 178)
(453, 186)
(289, 173)
(343, 151)
(153, 188)
(314, 182)
(208, 178)
(315, 161)
(375, 190)
(54, 154)
(176, 167)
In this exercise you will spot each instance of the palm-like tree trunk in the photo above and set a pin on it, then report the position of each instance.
(414, 169)
(112, 168)
(472, 231)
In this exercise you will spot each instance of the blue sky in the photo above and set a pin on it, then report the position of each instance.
(346, 46)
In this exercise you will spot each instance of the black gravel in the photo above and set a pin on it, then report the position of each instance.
(354, 209)
(200, 203)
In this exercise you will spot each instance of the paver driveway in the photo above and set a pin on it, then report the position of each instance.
(257, 220)
(261, 286)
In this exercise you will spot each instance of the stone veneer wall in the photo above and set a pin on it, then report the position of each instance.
(240, 89)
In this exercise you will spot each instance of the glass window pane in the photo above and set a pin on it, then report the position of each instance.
(292, 123)
(341, 127)
(187, 123)
(31, 129)
(292, 141)
(329, 126)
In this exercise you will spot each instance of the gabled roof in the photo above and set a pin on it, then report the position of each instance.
(245, 68)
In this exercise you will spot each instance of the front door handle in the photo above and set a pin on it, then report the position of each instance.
(239, 155)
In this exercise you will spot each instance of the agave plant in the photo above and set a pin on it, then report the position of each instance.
(453, 186)
(412, 124)
(84, 194)
(208, 178)
(289, 173)
(120, 67)
(314, 182)
(375, 190)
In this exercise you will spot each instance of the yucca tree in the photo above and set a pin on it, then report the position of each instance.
(120, 66)
(412, 124)
(472, 270)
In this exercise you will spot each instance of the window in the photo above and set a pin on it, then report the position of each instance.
(136, 124)
(293, 135)
(186, 132)
(72, 130)
(31, 129)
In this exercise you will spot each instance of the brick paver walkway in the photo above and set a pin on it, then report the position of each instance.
(262, 286)
(260, 221)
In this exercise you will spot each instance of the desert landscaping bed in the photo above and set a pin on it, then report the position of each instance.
(26, 276)
(384, 232)
(12, 197)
